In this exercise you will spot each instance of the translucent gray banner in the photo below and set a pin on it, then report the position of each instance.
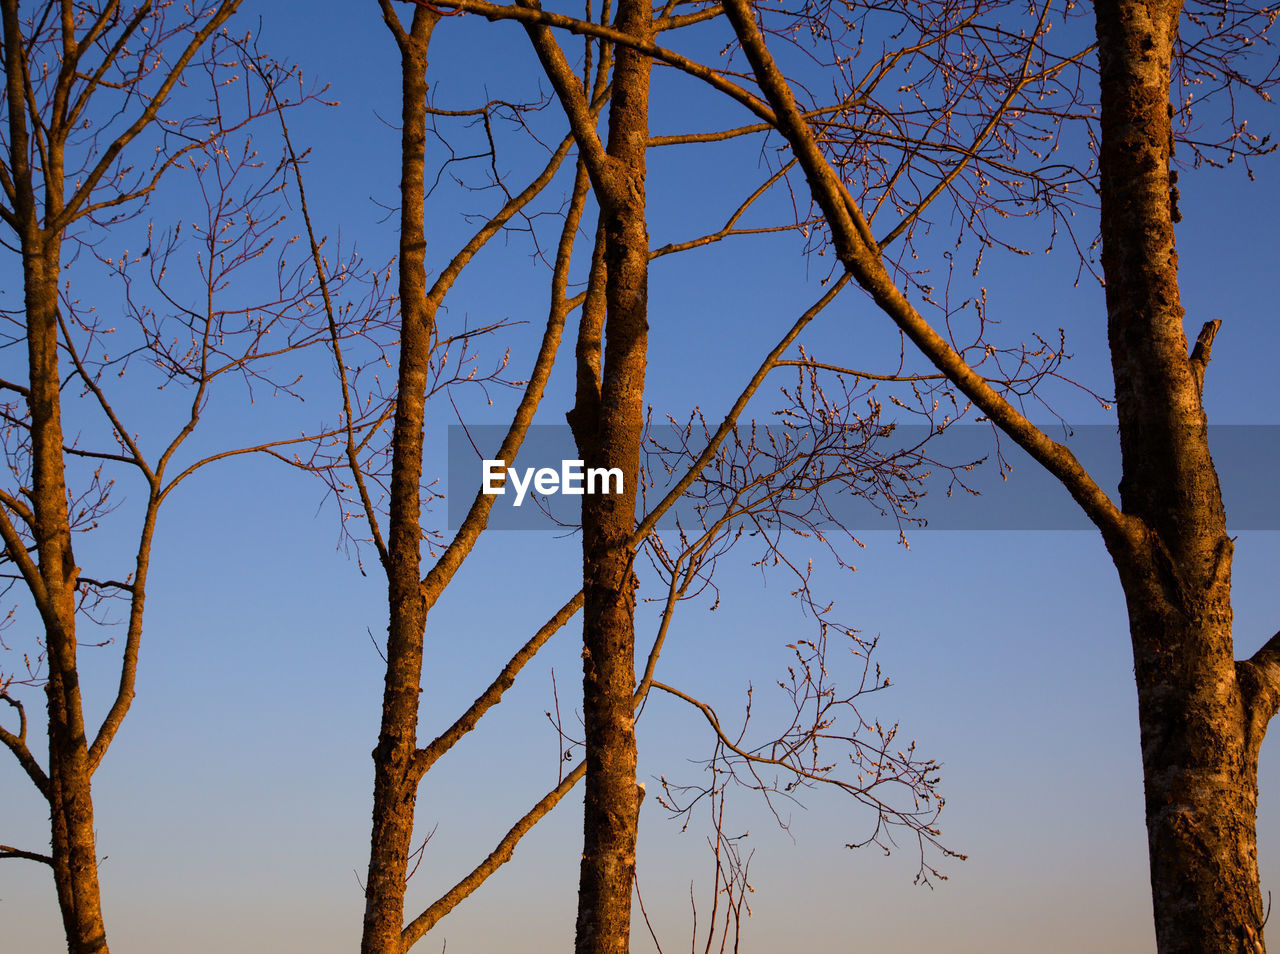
(877, 478)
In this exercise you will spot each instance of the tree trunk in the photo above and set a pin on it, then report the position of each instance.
(1200, 764)
(1202, 714)
(41, 209)
(1199, 733)
(608, 420)
(73, 843)
(395, 783)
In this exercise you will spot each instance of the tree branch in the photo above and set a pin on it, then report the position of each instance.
(500, 855)
(900, 378)
(535, 15)
(17, 744)
(426, 757)
(477, 518)
(861, 257)
(17, 551)
(1259, 678)
(582, 120)
(366, 503)
(7, 851)
(1201, 353)
(79, 202)
(133, 638)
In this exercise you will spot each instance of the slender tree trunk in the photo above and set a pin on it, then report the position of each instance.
(608, 421)
(72, 841)
(1199, 733)
(73, 844)
(40, 207)
(395, 782)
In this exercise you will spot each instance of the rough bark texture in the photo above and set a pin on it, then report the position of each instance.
(1202, 714)
(607, 421)
(395, 783)
(40, 205)
(399, 764)
(1199, 738)
(74, 850)
(71, 802)
(72, 841)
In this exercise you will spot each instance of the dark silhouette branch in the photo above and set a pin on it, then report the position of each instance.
(6, 851)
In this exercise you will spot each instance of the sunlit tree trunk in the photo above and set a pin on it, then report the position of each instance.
(395, 779)
(607, 421)
(1201, 726)
(73, 843)
(1202, 714)
(73, 847)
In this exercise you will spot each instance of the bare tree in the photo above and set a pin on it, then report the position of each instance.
(607, 421)
(399, 762)
(605, 418)
(59, 60)
(976, 129)
(607, 424)
(127, 76)
(1202, 714)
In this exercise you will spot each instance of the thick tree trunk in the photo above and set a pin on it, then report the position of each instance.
(1200, 765)
(608, 421)
(1199, 733)
(395, 783)
(1202, 714)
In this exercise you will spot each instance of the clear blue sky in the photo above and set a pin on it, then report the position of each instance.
(233, 808)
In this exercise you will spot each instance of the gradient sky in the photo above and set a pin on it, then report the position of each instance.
(233, 808)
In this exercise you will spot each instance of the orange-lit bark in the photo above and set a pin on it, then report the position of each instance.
(399, 763)
(42, 200)
(1202, 714)
(395, 782)
(1201, 725)
(607, 421)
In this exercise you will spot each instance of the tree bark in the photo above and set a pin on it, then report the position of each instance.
(1202, 714)
(40, 205)
(73, 844)
(608, 420)
(395, 779)
(1199, 736)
